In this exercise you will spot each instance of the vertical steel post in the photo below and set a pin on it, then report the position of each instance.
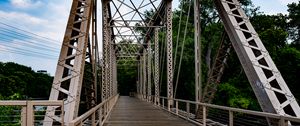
(169, 53)
(108, 69)
(197, 43)
(156, 66)
(114, 72)
(144, 73)
(149, 84)
(138, 79)
(94, 50)
(111, 80)
(106, 40)
(116, 75)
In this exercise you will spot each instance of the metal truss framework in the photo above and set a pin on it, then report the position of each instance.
(68, 80)
(156, 67)
(169, 53)
(267, 83)
(127, 39)
(109, 68)
(133, 33)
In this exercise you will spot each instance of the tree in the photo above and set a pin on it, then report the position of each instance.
(15, 78)
(288, 62)
(294, 23)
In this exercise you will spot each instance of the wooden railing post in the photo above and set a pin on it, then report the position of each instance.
(100, 115)
(283, 122)
(204, 115)
(30, 114)
(62, 114)
(94, 119)
(163, 103)
(230, 118)
(24, 116)
(177, 107)
(188, 109)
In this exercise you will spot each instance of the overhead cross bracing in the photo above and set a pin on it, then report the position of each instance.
(132, 28)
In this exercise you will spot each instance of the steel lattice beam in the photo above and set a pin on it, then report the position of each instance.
(156, 66)
(269, 87)
(149, 84)
(169, 53)
(106, 42)
(70, 68)
(144, 74)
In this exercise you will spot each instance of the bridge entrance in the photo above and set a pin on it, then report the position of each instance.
(137, 41)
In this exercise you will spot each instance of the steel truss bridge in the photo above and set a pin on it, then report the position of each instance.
(85, 87)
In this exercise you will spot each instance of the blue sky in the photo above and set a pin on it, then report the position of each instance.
(48, 18)
(273, 6)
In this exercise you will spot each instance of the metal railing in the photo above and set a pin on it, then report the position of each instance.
(97, 115)
(27, 113)
(221, 115)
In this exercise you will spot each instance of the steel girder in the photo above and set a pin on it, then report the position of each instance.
(269, 87)
(156, 66)
(141, 76)
(197, 43)
(149, 84)
(144, 74)
(105, 48)
(169, 53)
(68, 78)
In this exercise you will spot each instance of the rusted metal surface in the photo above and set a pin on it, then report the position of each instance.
(134, 112)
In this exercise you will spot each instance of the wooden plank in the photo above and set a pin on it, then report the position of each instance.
(132, 112)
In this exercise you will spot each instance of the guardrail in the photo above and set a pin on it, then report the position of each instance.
(223, 115)
(97, 115)
(26, 113)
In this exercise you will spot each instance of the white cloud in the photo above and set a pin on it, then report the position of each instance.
(2, 47)
(16, 17)
(285, 2)
(25, 3)
(50, 23)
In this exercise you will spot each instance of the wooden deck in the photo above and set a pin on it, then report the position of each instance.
(130, 111)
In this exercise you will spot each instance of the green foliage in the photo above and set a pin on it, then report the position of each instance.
(10, 115)
(18, 82)
(294, 23)
(127, 77)
(288, 62)
(22, 80)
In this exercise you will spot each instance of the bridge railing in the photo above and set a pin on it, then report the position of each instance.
(221, 115)
(97, 115)
(27, 113)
